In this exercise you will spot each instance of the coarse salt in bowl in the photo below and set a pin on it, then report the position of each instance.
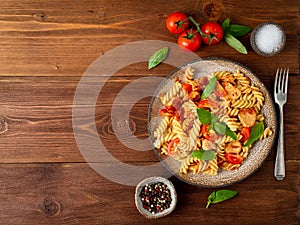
(268, 39)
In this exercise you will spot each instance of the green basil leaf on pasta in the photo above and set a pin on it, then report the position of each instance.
(220, 128)
(238, 30)
(223, 129)
(209, 87)
(220, 196)
(255, 133)
(235, 43)
(204, 116)
(214, 119)
(158, 57)
(230, 133)
(203, 154)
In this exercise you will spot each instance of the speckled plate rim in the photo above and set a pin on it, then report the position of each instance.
(274, 118)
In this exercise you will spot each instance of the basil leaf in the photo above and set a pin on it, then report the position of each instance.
(204, 116)
(220, 196)
(223, 129)
(220, 128)
(158, 57)
(238, 30)
(230, 133)
(225, 25)
(255, 133)
(203, 154)
(211, 198)
(235, 43)
(213, 119)
(209, 87)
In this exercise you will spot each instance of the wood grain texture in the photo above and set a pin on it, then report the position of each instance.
(45, 48)
(74, 194)
(50, 39)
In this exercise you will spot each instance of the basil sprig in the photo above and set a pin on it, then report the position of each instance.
(238, 30)
(158, 57)
(223, 129)
(203, 154)
(235, 43)
(204, 116)
(231, 32)
(220, 196)
(207, 117)
(209, 87)
(255, 133)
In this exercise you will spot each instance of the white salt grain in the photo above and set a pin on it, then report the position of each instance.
(269, 38)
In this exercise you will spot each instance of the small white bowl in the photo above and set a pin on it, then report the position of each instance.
(139, 204)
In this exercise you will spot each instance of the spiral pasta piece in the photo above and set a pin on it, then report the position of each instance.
(171, 93)
(161, 129)
(267, 132)
(242, 79)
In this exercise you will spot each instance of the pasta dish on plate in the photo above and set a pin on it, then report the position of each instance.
(210, 123)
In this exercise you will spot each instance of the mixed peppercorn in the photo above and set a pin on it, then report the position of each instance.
(155, 197)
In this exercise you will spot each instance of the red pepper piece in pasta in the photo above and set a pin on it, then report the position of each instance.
(245, 134)
(171, 145)
(203, 104)
(207, 134)
(208, 104)
(166, 112)
(233, 159)
(187, 87)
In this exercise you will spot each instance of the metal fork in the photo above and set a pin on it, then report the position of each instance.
(280, 95)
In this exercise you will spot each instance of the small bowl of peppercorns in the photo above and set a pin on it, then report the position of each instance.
(155, 197)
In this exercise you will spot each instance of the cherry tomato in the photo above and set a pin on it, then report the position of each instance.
(177, 22)
(219, 91)
(171, 145)
(189, 40)
(203, 103)
(233, 159)
(245, 133)
(187, 87)
(207, 134)
(166, 112)
(207, 103)
(212, 33)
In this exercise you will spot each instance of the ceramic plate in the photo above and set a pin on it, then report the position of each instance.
(258, 152)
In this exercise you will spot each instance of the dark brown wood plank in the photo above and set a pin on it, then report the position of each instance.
(48, 39)
(45, 48)
(75, 194)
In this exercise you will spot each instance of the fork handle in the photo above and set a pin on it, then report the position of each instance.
(279, 170)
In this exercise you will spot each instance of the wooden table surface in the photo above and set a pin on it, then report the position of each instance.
(45, 48)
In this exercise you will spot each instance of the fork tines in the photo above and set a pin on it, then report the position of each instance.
(282, 80)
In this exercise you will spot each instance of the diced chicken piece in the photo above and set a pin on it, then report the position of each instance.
(208, 145)
(232, 92)
(233, 147)
(188, 123)
(247, 117)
